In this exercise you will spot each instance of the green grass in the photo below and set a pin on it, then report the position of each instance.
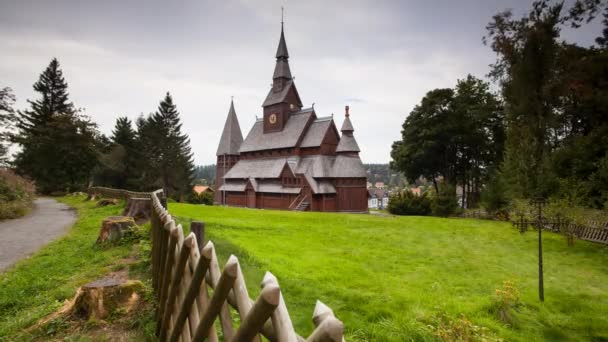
(38, 285)
(390, 278)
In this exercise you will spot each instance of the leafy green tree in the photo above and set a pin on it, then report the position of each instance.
(58, 144)
(166, 150)
(453, 134)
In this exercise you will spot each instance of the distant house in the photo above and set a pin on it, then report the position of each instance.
(369, 185)
(379, 185)
(201, 189)
(377, 199)
(416, 191)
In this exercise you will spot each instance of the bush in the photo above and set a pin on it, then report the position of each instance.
(506, 300)
(493, 197)
(16, 195)
(445, 202)
(203, 198)
(408, 203)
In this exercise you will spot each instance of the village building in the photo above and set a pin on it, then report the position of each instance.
(201, 189)
(377, 198)
(291, 158)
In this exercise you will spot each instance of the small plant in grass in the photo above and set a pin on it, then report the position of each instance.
(459, 329)
(505, 300)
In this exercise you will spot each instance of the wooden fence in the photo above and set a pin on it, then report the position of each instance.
(100, 191)
(594, 231)
(183, 274)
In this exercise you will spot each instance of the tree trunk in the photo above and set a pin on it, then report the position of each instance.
(138, 208)
(113, 228)
(96, 300)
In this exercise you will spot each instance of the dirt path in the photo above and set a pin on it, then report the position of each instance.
(21, 237)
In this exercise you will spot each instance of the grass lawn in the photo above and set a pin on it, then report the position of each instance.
(38, 285)
(407, 278)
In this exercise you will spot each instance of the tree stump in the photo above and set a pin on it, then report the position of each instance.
(96, 300)
(139, 208)
(106, 202)
(113, 228)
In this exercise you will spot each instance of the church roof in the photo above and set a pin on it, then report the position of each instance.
(275, 97)
(318, 166)
(348, 144)
(281, 69)
(316, 132)
(231, 138)
(256, 140)
(282, 48)
(347, 126)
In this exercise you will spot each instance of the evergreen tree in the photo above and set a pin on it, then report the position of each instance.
(58, 144)
(167, 150)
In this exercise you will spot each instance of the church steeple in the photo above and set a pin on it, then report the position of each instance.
(282, 73)
(347, 145)
(232, 138)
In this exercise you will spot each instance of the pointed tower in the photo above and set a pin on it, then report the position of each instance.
(347, 145)
(227, 151)
(283, 97)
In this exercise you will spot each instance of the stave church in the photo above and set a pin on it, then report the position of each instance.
(291, 159)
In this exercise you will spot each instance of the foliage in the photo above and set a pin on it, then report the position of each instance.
(16, 195)
(493, 196)
(460, 329)
(202, 198)
(439, 264)
(165, 151)
(119, 158)
(455, 134)
(444, 202)
(58, 144)
(205, 174)
(506, 300)
(407, 203)
(555, 101)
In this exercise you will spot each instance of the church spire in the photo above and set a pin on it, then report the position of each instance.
(281, 69)
(347, 144)
(232, 138)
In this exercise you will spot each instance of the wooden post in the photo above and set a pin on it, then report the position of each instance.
(213, 277)
(186, 305)
(218, 300)
(281, 322)
(329, 328)
(242, 298)
(198, 228)
(262, 309)
(174, 285)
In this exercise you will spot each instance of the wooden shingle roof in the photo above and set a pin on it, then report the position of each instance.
(256, 140)
(232, 138)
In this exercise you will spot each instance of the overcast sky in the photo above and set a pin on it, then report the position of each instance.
(380, 57)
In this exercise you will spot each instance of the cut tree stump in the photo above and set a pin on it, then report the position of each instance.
(96, 300)
(106, 202)
(113, 228)
(139, 208)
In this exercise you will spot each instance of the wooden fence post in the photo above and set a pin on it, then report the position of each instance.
(198, 228)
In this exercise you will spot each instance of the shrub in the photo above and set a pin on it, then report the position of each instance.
(505, 301)
(408, 203)
(493, 197)
(203, 198)
(460, 329)
(16, 195)
(445, 202)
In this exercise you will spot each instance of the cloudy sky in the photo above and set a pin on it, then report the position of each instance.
(380, 57)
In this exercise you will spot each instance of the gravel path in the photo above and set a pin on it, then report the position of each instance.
(21, 237)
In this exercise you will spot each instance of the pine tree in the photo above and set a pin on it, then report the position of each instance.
(58, 144)
(167, 150)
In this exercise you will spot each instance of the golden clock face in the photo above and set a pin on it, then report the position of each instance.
(272, 118)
